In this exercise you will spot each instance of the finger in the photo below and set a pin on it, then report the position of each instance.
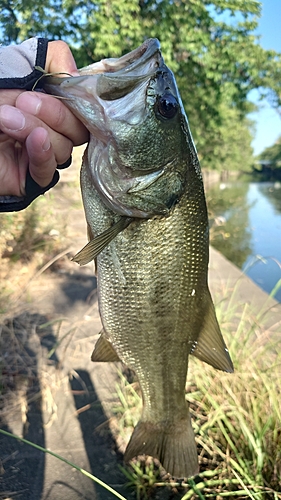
(13, 168)
(19, 125)
(54, 114)
(9, 96)
(60, 59)
(11, 119)
(42, 160)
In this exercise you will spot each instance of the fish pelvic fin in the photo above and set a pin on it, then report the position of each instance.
(210, 345)
(104, 350)
(90, 251)
(173, 444)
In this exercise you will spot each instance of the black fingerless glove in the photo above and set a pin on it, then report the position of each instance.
(32, 190)
(17, 71)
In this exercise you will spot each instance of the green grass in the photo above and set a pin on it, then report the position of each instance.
(62, 459)
(236, 417)
(28, 240)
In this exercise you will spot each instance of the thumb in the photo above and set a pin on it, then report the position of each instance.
(60, 59)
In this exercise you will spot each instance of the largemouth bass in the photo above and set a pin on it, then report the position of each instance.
(145, 207)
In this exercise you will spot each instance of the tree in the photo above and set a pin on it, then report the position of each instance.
(272, 153)
(208, 44)
(270, 162)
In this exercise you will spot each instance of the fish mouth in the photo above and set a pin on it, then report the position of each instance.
(118, 77)
(130, 62)
(126, 77)
(114, 91)
(108, 80)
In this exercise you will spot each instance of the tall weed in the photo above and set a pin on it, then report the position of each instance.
(236, 417)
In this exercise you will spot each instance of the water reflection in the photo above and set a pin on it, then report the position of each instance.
(229, 220)
(273, 192)
(247, 229)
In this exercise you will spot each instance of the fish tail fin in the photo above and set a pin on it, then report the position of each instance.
(173, 445)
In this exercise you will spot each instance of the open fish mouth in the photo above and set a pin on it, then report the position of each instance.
(110, 80)
(118, 76)
(134, 63)
(108, 96)
(123, 75)
(154, 300)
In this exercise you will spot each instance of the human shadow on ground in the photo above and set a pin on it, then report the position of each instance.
(71, 292)
(100, 445)
(22, 466)
(79, 287)
(32, 338)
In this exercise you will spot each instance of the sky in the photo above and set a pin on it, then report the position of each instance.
(268, 121)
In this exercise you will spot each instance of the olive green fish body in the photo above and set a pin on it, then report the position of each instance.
(152, 294)
(145, 208)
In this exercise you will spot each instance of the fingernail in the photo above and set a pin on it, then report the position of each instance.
(29, 102)
(11, 118)
(46, 144)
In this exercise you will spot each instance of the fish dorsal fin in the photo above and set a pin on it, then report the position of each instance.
(104, 350)
(97, 244)
(210, 346)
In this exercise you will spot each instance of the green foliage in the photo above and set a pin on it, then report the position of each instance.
(209, 45)
(269, 162)
(227, 146)
(273, 153)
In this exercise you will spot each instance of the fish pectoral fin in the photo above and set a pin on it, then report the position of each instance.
(104, 350)
(173, 444)
(210, 346)
(90, 251)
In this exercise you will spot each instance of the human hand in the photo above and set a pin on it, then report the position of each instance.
(38, 131)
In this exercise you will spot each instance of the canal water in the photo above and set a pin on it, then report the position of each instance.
(245, 220)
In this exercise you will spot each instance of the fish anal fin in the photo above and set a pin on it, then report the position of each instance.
(210, 346)
(172, 444)
(104, 350)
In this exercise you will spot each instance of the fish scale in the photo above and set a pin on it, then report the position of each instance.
(160, 293)
(145, 207)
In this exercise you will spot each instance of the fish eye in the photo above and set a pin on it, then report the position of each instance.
(167, 106)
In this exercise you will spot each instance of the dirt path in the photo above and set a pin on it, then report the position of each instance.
(62, 398)
(63, 401)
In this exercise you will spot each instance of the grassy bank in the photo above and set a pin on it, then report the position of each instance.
(30, 240)
(237, 417)
(34, 237)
